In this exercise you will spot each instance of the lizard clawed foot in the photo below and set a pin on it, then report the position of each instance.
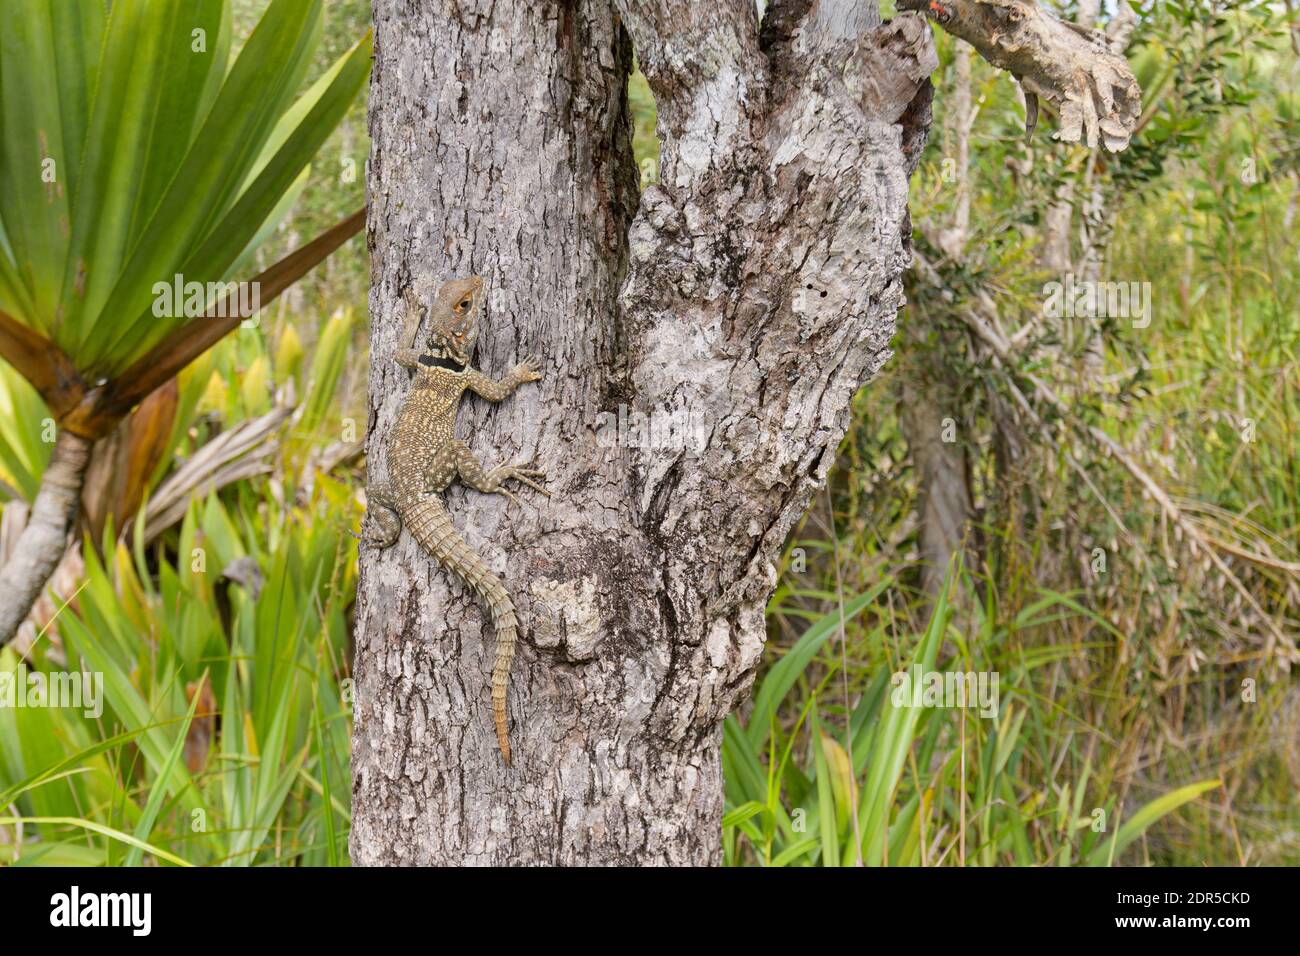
(529, 370)
(379, 540)
(384, 527)
(524, 476)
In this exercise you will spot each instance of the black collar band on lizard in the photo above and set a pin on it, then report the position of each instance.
(440, 361)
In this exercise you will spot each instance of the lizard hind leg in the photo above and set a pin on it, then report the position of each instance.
(386, 525)
(473, 474)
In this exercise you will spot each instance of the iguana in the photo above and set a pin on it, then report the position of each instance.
(424, 457)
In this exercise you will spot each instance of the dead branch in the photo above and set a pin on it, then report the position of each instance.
(1074, 68)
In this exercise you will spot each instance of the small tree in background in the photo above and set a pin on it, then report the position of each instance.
(132, 152)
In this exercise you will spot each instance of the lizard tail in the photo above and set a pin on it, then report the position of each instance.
(430, 525)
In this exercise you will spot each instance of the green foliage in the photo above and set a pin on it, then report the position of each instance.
(223, 731)
(225, 724)
(645, 146)
(883, 783)
(23, 451)
(116, 178)
(336, 187)
(1156, 678)
(326, 370)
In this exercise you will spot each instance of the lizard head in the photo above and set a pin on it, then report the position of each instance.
(455, 319)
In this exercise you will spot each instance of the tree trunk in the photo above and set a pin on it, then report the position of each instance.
(933, 416)
(749, 295)
(41, 545)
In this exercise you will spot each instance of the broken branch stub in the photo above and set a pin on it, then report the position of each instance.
(1072, 67)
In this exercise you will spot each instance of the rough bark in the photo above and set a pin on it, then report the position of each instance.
(752, 292)
(40, 547)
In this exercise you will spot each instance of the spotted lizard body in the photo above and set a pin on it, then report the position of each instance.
(424, 457)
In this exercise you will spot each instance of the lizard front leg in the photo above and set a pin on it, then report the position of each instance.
(493, 391)
(407, 355)
(473, 474)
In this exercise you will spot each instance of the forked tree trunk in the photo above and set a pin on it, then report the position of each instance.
(750, 293)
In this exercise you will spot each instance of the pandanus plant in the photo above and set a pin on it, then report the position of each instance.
(133, 152)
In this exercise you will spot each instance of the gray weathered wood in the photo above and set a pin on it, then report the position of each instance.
(1069, 65)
